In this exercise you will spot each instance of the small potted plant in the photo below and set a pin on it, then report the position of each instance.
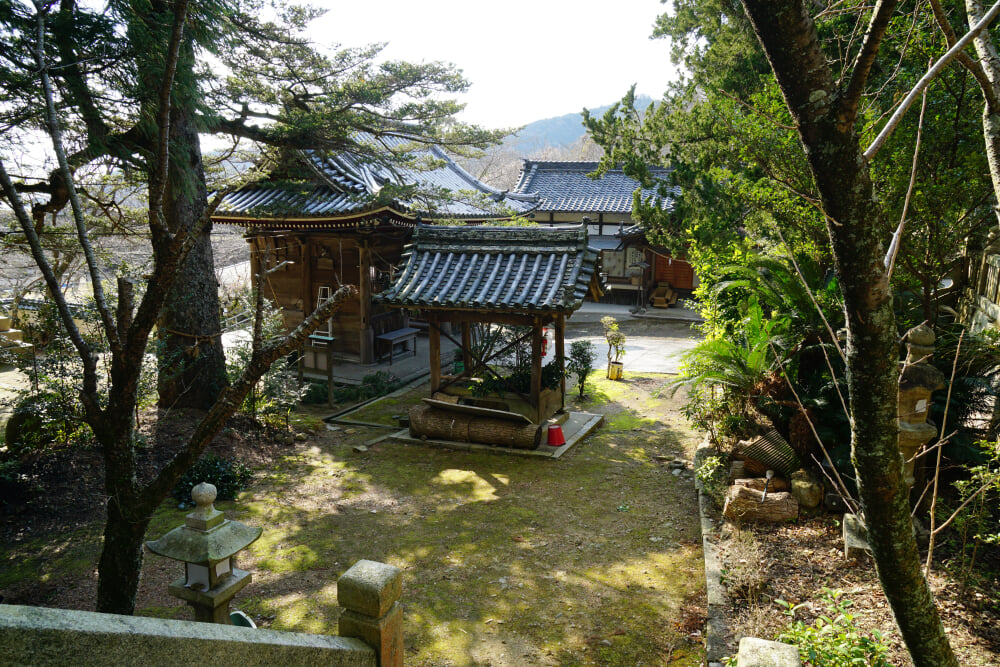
(616, 347)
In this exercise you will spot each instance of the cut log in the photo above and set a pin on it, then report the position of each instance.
(757, 483)
(446, 425)
(750, 466)
(746, 504)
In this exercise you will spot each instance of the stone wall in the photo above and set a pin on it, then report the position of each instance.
(39, 636)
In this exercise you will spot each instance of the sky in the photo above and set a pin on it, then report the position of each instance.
(526, 59)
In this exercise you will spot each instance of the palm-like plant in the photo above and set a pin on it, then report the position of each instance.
(744, 366)
(801, 290)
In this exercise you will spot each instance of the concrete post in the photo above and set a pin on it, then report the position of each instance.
(370, 592)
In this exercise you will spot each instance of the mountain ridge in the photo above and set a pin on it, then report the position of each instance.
(558, 131)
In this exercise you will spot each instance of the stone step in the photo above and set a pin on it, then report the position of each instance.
(4, 323)
(16, 347)
(9, 336)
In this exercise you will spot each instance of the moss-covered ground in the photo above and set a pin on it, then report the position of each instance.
(590, 559)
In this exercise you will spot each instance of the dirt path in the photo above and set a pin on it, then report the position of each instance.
(592, 559)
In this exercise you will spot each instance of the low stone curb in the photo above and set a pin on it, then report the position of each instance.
(715, 592)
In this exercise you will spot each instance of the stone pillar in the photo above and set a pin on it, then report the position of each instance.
(918, 380)
(369, 592)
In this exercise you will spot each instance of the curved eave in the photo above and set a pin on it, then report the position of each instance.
(527, 309)
(338, 222)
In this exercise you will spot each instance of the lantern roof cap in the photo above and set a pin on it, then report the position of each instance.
(206, 536)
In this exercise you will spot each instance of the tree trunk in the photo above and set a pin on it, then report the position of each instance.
(192, 364)
(989, 60)
(121, 558)
(826, 113)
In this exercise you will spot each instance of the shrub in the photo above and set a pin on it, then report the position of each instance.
(278, 391)
(43, 420)
(373, 385)
(582, 355)
(833, 640)
(713, 476)
(229, 476)
(315, 393)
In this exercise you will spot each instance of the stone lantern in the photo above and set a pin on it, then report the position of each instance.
(206, 544)
(918, 380)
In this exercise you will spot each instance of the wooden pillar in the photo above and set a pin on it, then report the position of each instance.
(536, 367)
(365, 303)
(308, 300)
(329, 373)
(434, 333)
(560, 345)
(466, 347)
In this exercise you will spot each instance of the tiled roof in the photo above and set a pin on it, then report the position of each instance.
(501, 269)
(346, 186)
(564, 187)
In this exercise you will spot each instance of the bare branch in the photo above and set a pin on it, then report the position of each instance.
(897, 237)
(866, 58)
(937, 465)
(973, 66)
(231, 397)
(925, 80)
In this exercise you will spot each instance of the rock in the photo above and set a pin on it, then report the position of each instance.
(301, 437)
(755, 652)
(808, 490)
(360, 448)
(288, 439)
(677, 472)
(677, 464)
(855, 538)
(746, 504)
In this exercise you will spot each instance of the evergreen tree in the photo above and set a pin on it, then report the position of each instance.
(238, 75)
(131, 85)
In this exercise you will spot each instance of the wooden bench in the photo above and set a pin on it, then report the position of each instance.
(663, 296)
(401, 337)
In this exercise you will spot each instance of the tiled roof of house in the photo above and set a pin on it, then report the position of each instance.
(501, 269)
(564, 187)
(346, 186)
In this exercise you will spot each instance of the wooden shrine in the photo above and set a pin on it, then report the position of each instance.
(343, 226)
(531, 277)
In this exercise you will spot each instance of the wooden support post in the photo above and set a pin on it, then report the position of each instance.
(308, 298)
(536, 368)
(367, 343)
(434, 333)
(560, 345)
(466, 347)
(329, 373)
